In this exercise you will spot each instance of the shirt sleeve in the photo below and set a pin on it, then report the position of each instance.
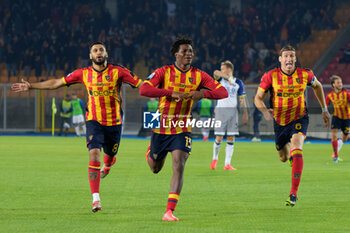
(241, 90)
(214, 89)
(74, 77)
(150, 86)
(129, 77)
(266, 82)
(208, 82)
(348, 93)
(156, 77)
(311, 78)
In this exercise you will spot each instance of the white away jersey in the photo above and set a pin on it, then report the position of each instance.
(235, 90)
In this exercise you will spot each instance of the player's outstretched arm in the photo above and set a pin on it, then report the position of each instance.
(47, 85)
(318, 90)
(259, 103)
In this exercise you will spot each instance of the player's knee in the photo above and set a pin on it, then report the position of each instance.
(218, 140)
(283, 159)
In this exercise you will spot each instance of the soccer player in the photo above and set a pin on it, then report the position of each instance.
(226, 112)
(103, 83)
(177, 85)
(291, 120)
(78, 115)
(341, 116)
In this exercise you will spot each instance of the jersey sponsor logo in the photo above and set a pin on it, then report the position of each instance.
(289, 94)
(102, 93)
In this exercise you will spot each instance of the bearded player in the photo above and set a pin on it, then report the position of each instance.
(103, 84)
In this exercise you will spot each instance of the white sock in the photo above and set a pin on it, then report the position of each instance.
(340, 144)
(83, 129)
(77, 131)
(216, 149)
(95, 197)
(229, 152)
(205, 132)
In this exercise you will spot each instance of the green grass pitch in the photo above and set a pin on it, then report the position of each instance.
(44, 188)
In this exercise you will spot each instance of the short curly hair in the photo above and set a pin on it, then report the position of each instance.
(179, 41)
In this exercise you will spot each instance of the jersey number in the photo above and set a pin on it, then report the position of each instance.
(188, 142)
(297, 126)
(115, 148)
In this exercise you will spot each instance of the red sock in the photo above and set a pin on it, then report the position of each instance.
(94, 176)
(335, 147)
(109, 161)
(297, 169)
(172, 201)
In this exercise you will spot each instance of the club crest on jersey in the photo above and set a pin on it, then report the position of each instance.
(90, 137)
(107, 77)
(190, 79)
(298, 80)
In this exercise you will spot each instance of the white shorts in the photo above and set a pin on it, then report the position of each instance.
(229, 121)
(78, 119)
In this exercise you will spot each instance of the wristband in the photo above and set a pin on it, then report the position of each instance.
(324, 109)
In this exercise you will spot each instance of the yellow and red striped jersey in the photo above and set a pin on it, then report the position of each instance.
(174, 115)
(341, 103)
(104, 91)
(288, 98)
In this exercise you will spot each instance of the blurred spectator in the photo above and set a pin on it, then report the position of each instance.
(58, 34)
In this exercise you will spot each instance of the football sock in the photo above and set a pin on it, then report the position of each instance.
(297, 169)
(172, 201)
(108, 160)
(77, 130)
(94, 176)
(216, 149)
(229, 152)
(335, 147)
(95, 197)
(340, 144)
(205, 132)
(83, 127)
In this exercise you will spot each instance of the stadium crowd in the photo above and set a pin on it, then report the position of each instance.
(51, 34)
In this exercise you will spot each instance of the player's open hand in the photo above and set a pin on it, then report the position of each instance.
(326, 119)
(178, 96)
(20, 87)
(196, 95)
(268, 114)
